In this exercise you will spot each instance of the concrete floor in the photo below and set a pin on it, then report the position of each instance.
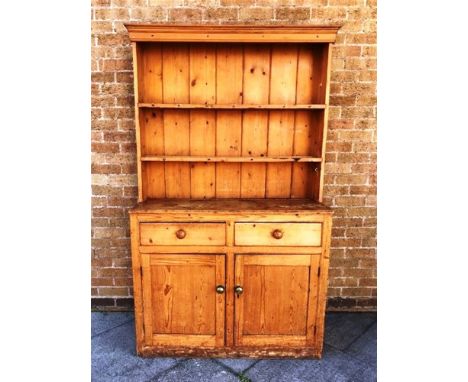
(350, 354)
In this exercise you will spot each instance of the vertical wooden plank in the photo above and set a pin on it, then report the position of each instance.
(136, 77)
(151, 75)
(220, 300)
(152, 132)
(230, 268)
(239, 301)
(307, 126)
(147, 299)
(137, 283)
(308, 130)
(202, 122)
(176, 122)
(328, 58)
(255, 123)
(323, 283)
(177, 142)
(313, 299)
(153, 179)
(229, 76)
(281, 124)
(280, 142)
(228, 143)
(202, 142)
(320, 69)
(152, 143)
(305, 75)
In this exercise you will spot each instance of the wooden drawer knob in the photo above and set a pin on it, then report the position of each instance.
(277, 234)
(180, 234)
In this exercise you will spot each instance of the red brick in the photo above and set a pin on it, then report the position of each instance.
(107, 212)
(111, 14)
(185, 14)
(257, 13)
(105, 147)
(105, 169)
(354, 292)
(102, 77)
(117, 291)
(230, 14)
(295, 14)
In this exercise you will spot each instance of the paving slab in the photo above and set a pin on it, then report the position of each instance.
(199, 370)
(368, 374)
(342, 329)
(365, 347)
(102, 322)
(237, 364)
(114, 358)
(334, 366)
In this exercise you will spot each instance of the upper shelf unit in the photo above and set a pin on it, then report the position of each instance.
(231, 112)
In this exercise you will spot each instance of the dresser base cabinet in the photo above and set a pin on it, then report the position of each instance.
(228, 278)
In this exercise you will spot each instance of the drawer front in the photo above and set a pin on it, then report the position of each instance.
(182, 234)
(279, 234)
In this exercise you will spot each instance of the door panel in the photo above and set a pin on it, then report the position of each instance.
(276, 306)
(182, 307)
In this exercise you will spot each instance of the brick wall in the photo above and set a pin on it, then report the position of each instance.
(350, 181)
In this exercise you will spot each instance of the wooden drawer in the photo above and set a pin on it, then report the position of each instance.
(279, 234)
(182, 234)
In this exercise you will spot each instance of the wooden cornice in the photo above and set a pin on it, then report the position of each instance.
(231, 33)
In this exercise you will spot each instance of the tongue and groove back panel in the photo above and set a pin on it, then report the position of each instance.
(255, 111)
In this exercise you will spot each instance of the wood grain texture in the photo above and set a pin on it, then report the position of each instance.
(232, 160)
(202, 122)
(292, 234)
(194, 234)
(231, 106)
(232, 33)
(136, 54)
(241, 208)
(137, 283)
(255, 123)
(229, 89)
(273, 309)
(183, 288)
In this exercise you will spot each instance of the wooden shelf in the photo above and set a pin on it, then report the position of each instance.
(300, 205)
(232, 106)
(171, 158)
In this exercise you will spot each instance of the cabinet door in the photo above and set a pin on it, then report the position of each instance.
(181, 306)
(278, 300)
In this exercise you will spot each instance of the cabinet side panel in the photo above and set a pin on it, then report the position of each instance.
(176, 123)
(136, 54)
(137, 282)
(323, 284)
(256, 90)
(202, 122)
(229, 79)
